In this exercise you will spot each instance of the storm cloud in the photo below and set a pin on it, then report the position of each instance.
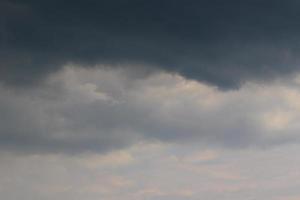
(224, 43)
(149, 99)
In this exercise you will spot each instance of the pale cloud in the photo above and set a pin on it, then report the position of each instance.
(153, 175)
(277, 120)
(111, 159)
(202, 156)
(288, 197)
(149, 192)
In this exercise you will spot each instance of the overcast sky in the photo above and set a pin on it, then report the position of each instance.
(149, 100)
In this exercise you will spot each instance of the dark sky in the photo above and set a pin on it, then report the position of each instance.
(149, 99)
(224, 43)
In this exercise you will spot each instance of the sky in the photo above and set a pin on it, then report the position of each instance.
(149, 100)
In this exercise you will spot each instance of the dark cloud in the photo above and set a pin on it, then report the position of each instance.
(219, 42)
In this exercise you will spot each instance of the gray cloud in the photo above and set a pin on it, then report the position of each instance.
(78, 110)
(222, 43)
(131, 99)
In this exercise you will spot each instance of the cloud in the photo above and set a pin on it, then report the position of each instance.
(167, 99)
(78, 110)
(222, 43)
(153, 175)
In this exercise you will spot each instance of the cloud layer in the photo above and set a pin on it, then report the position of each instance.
(78, 110)
(157, 99)
(153, 171)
